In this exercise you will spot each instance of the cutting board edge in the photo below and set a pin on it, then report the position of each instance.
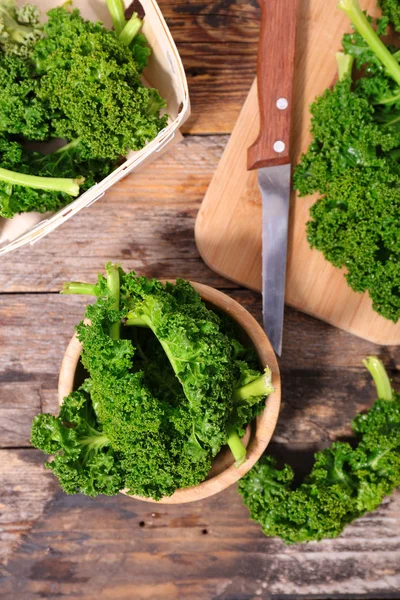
(204, 256)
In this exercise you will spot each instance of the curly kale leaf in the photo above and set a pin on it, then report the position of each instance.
(356, 226)
(151, 433)
(344, 483)
(83, 459)
(90, 83)
(391, 9)
(346, 135)
(21, 112)
(140, 51)
(200, 354)
(354, 161)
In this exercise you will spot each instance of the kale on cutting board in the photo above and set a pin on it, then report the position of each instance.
(354, 161)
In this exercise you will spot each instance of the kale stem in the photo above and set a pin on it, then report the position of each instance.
(68, 146)
(345, 65)
(116, 11)
(238, 450)
(382, 382)
(136, 321)
(145, 321)
(261, 386)
(113, 284)
(130, 30)
(364, 28)
(54, 184)
(75, 287)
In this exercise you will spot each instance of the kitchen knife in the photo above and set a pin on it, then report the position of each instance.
(270, 153)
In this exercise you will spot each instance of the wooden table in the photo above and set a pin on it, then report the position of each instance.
(55, 545)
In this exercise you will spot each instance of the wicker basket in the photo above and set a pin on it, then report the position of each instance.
(164, 72)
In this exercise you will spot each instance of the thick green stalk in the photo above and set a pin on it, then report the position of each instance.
(238, 450)
(145, 321)
(53, 184)
(116, 11)
(345, 64)
(364, 28)
(113, 284)
(262, 386)
(130, 30)
(380, 377)
(75, 287)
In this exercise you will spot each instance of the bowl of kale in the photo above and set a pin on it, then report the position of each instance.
(169, 392)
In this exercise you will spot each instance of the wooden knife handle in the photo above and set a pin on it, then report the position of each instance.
(275, 69)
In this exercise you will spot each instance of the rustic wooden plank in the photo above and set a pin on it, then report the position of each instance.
(109, 548)
(324, 383)
(146, 221)
(218, 45)
(219, 78)
(218, 22)
(25, 489)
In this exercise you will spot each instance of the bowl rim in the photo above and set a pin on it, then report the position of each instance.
(265, 423)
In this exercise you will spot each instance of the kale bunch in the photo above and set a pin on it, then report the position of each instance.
(168, 384)
(75, 81)
(353, 161)
(90, 84)
(391, 9)
(344, 483)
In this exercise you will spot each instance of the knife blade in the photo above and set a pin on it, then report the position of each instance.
(270, 153)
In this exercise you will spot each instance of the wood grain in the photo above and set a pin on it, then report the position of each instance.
(275, 72)
(120, 548)
(146, 221)
(219, 78)
(228, 227)
(25, 490)
(199, 22)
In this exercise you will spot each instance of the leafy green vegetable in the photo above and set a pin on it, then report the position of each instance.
(344, 483)
(83, 459)
(44, 182)
(354, 161)
(74, 80)
(90, 83)
(391, 9)
(20, 27)
(168, 382)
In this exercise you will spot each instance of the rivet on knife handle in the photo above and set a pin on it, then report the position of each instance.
(275, 80)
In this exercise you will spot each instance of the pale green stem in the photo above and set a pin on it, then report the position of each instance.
(75, 287)
(261, 386)
(116, 10)
(345, 64)
(113, 284)
(130, 30)
(364, 28)
(53, 184)
(238, 450)
(381, 379)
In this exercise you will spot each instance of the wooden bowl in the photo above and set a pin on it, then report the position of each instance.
(258, 434)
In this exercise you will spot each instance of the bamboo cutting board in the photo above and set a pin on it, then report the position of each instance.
(228, 226)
